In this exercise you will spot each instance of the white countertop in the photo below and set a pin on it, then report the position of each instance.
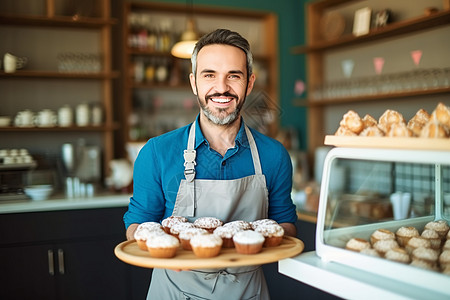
(350, 283)
(61, 203)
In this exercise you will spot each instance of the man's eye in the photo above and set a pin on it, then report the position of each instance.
(235, 76)
(208, 76)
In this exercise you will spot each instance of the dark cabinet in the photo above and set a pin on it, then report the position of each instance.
(67, 255)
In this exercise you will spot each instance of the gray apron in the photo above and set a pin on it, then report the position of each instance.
(239, 199)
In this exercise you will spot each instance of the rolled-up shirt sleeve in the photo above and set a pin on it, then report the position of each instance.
(147, 202)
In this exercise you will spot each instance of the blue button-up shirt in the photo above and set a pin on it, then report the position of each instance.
(159, 168)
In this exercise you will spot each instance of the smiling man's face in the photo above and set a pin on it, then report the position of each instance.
(221, 83)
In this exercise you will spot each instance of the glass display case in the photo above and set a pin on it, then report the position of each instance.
(364, 190)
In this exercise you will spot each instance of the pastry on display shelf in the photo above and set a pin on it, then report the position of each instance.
(399, 255)
(423, 248)
(405, 233)
(357, 244)
(392, 124)
(433, 237)
(381, 234)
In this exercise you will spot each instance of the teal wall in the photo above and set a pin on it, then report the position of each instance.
(292, 67)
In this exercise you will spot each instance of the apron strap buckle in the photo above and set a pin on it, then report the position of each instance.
(189, 155)
(189, 164)
(189, 174)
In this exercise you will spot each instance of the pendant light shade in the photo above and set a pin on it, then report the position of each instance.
(184, 48)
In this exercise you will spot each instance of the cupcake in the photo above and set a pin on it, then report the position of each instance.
(398, 254)
(186, 235)
(167, 223)
(428, 255)
(357, 244)
(433, 237)
(440, 226)
(242, 225)
(384, 246)
(444, 259)
(417, 242)
(227, 233)
(206, 245)
(381, 234)
(208, 223)
(179, 227)
(446, 245)
(262, 222)
(144, 231)
(248, 242)
(424, 265)
(404, 234)
(163, 246)
(272, 233)
(370, 252)
(446, 270)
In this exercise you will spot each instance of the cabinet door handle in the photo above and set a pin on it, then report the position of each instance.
(51, 265)
(61, 261)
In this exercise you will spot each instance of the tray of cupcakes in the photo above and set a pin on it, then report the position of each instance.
(207, 242)
(424, 131)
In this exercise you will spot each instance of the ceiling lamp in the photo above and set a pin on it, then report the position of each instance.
(184, 48)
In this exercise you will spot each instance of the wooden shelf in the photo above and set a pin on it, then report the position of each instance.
(149, 52)
(415, 93)
(391, 30)
(58, 75)
(100, 128)
(404, 143)
(55, 21)
(98, 30)
(318, 50)
(145, 85)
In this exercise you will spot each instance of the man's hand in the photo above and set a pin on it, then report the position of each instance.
(289, 229)
(130, 231)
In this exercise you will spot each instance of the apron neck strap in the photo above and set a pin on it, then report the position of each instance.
(254, 151)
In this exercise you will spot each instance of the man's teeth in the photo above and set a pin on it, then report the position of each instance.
(221, 100)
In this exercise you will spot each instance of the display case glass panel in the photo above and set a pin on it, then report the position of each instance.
(367, 190)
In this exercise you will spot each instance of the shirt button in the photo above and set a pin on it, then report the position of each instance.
(224, 163)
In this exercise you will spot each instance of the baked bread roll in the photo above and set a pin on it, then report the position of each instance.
(398, 130)
(344, 131)
(388, 118)
(442, 114)
(434, 129)
(352, 121)
(369, 121)
(372, 131)
(418, 121)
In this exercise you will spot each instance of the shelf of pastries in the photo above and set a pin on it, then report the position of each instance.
(424, 131)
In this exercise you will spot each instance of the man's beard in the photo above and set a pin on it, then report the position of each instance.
(218, 119)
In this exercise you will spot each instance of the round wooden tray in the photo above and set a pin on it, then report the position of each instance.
(130, 253)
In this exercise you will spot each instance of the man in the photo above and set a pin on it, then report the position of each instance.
(214, 167)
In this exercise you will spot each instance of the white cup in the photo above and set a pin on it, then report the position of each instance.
(82, 114)
(24, 118)
(11, 62)
(400, 204)
(45, 118)
(65, 116)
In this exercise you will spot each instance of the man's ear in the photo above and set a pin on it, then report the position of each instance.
(193, 85)
(251, 83)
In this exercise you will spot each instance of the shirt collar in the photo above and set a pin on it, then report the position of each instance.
(241, 137)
